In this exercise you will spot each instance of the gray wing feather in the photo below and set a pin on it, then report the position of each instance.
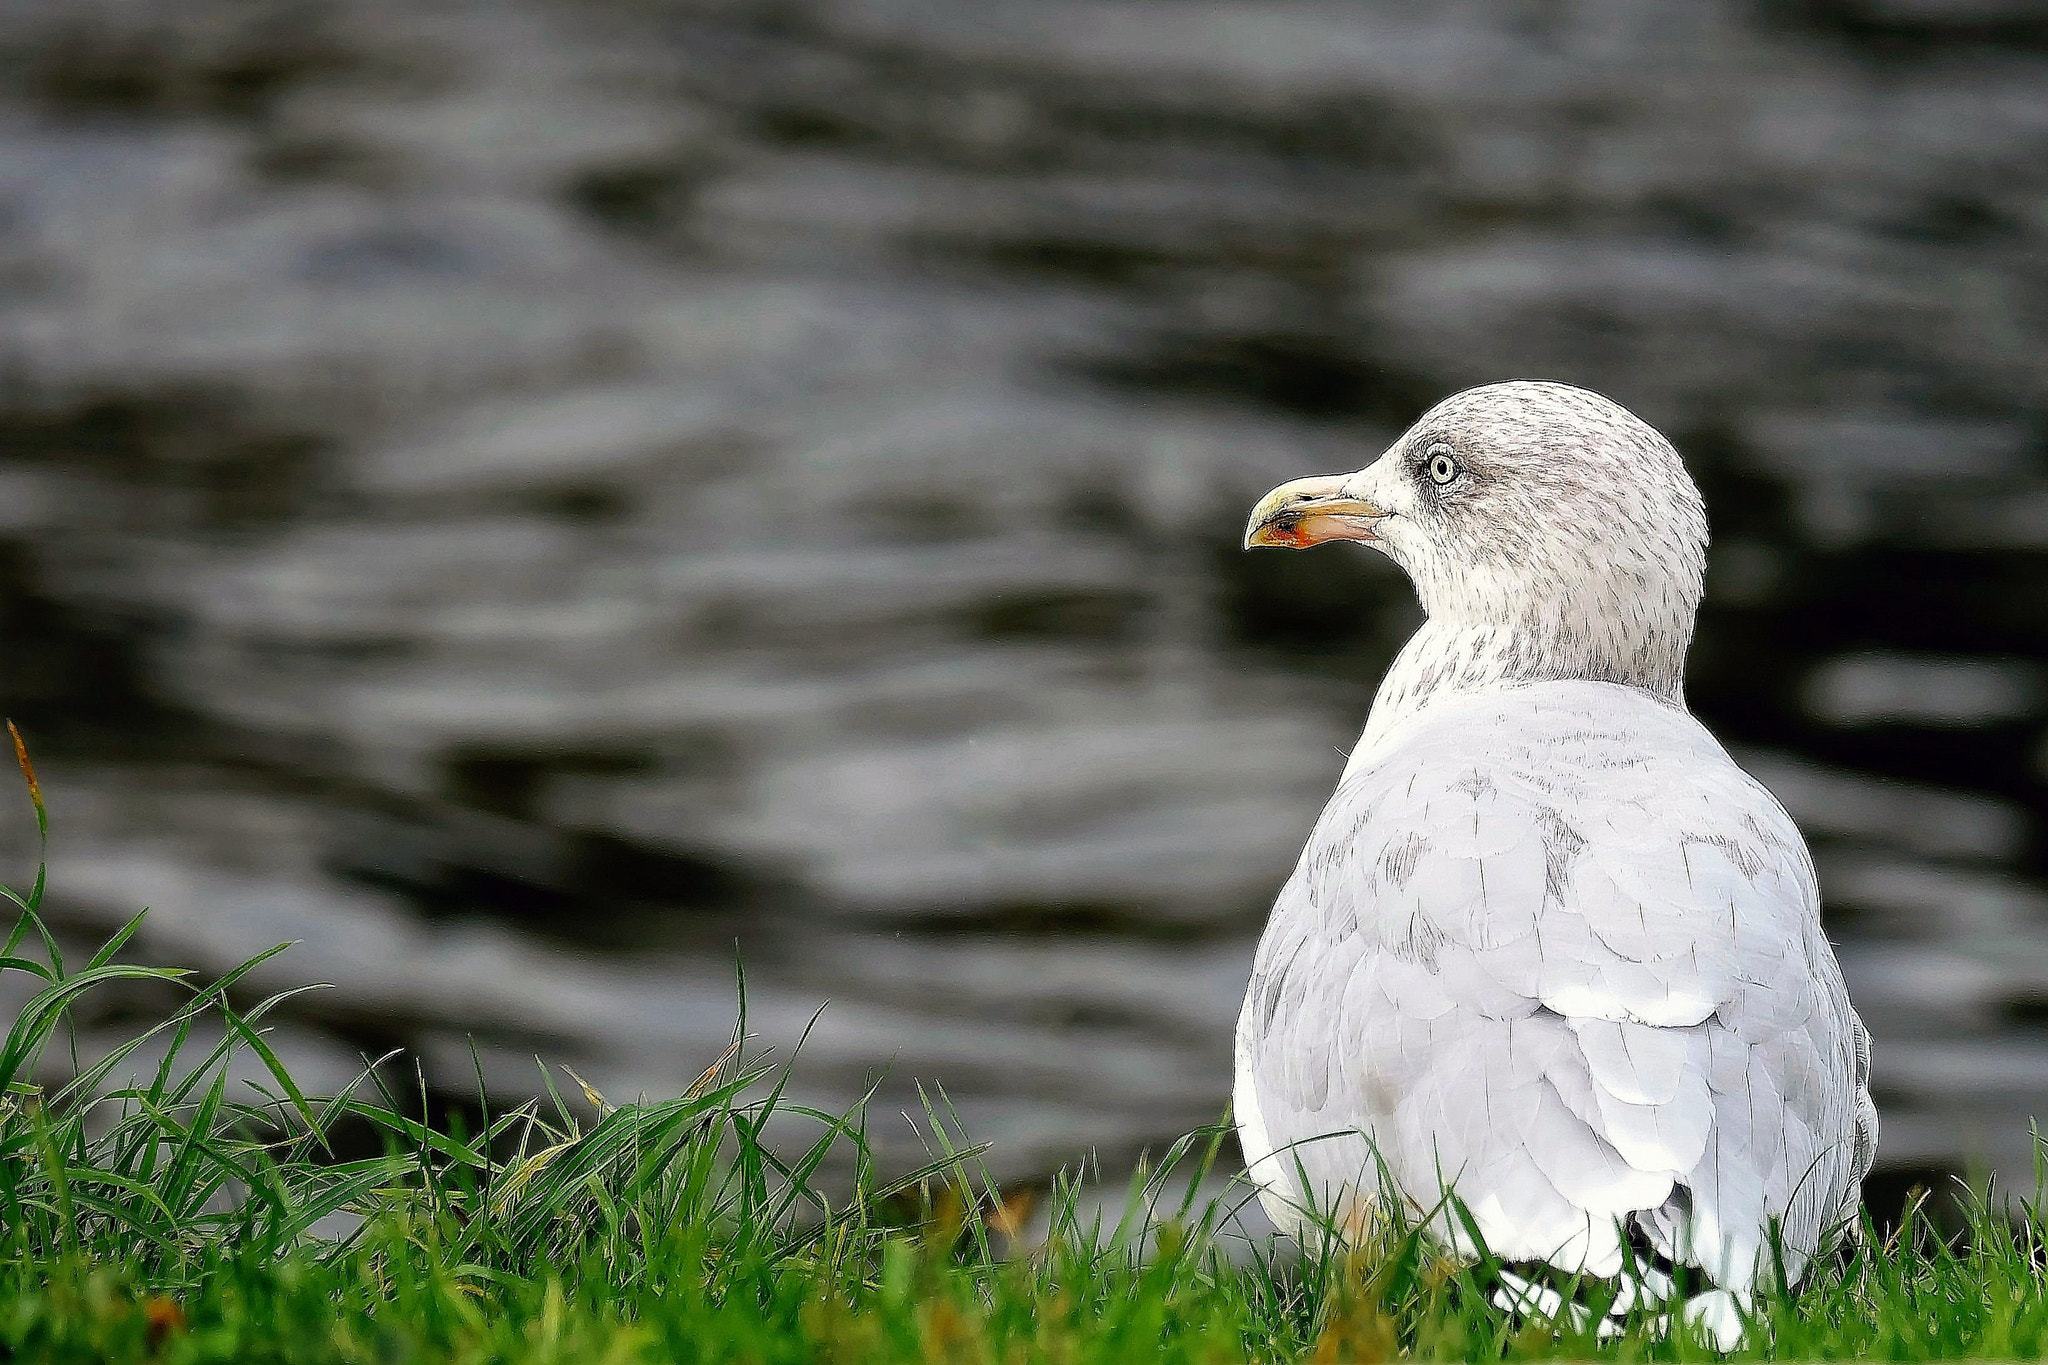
(1555, 951)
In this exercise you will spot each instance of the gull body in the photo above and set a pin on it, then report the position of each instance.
(1548, 947)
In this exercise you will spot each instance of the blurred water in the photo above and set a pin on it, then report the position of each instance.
(524, 496)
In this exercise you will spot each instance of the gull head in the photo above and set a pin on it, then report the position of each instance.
(1540, 511)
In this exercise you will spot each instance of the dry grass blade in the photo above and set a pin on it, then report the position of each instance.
(596, 1101)
(28, 772)
(709, 1077)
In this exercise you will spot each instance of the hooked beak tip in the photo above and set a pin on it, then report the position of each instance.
(1310, 512)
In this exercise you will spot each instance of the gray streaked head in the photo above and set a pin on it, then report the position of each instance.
(1546, 511)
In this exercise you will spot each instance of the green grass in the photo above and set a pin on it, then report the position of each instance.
(158, 1212)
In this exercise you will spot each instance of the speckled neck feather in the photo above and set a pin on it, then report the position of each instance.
(1580, 555)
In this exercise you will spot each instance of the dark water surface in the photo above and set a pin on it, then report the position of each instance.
(521, 496)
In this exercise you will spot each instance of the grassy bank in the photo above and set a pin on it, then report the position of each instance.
(155, 1210)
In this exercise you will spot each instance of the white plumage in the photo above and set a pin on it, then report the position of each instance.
(1548, 946)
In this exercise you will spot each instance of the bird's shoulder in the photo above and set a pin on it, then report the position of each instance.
(1587, 768)
(1583, 844)
(1546, 733)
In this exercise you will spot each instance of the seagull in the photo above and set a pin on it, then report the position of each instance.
(1549, 953)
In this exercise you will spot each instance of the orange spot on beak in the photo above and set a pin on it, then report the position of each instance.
(1309, 512)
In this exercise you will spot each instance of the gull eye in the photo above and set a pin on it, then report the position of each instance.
(1442, 468)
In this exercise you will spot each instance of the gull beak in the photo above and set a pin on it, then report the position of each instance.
(1310, 511)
